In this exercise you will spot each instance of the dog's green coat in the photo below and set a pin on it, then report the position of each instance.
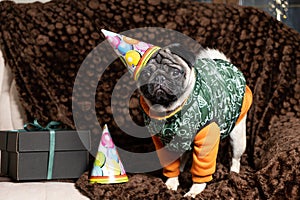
(217, 97)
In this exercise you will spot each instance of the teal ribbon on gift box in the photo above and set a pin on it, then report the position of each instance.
(52, 127)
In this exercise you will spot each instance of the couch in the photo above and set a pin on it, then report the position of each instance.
(54, 39)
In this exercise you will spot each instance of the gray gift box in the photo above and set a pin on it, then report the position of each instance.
(4, 154)
(25, 155)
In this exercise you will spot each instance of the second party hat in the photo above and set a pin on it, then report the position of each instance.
(108, 167)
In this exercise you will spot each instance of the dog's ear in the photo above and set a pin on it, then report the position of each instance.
(188, 56)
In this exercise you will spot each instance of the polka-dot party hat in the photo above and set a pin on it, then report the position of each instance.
(108, 167)
(134, 53)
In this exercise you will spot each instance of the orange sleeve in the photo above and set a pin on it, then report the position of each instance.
(167, 159)
(247, 101)
(206, 145)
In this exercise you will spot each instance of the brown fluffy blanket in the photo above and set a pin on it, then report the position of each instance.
(45, 45)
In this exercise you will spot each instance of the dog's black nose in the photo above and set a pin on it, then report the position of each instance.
(160, 79)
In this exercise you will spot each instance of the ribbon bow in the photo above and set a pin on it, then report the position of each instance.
(52, 127)
(35, 126)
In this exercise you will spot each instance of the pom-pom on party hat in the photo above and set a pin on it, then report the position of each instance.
(108, 167)
(134, 53)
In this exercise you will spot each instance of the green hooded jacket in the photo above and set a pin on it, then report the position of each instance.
(217, 97)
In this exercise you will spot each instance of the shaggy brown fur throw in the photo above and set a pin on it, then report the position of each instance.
(45, 45)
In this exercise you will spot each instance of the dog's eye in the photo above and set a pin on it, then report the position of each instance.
(176, 72)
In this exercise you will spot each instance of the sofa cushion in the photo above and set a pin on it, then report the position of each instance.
(12, 113)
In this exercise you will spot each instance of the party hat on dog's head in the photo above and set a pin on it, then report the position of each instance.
(134, 53)
(108, 167)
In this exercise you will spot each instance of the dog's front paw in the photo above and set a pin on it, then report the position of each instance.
(196, 188)
(172, 183)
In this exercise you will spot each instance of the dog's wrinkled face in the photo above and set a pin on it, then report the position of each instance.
(166, 77)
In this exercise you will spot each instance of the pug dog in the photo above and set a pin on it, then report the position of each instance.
(190, 103)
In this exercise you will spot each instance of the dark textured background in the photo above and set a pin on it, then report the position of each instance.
(45, 44)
